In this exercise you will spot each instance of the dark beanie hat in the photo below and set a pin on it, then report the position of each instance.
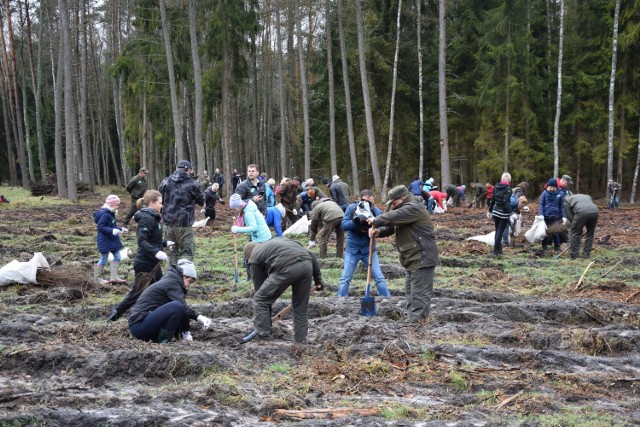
(552, 183)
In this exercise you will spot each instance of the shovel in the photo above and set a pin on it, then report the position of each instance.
(472, 202)
(368, 303)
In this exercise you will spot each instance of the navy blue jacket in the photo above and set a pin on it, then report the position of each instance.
(179, 192)
(552, 204)
(357, 234)
(150, 241)
(106, 220)
(415, 187)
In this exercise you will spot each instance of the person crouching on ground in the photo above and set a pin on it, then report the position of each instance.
(409, 220)
(274, 266)
(148, 261)
(162, 312)
(355, 224)
(108, 239)
(250, 221)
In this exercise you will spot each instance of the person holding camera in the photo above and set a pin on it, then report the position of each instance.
(355, 224)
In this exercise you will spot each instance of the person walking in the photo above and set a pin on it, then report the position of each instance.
(151, 250)
(500, 210)
(355, 224)
(253, 189)
(409, 220)
(613, 189)
(551, 209)
(274, 266)
(136, 188)
(249, 220)
(161, 312)
(218, 178)
(179, 194)
(108, 239)
(327, 212)
(582, 212)
(211, 197)
(340, 192)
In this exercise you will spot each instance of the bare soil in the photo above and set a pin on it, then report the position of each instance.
(488, 355)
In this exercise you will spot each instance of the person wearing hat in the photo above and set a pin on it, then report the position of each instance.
(552, 210)
(340, 192)
(326, 213)
(179, 194)
(582, 212)
(161, 312)
(136, 188)
(249, 220)
(108, 239)
(355, 224)
(274, 266)
(564, 183)
(253, 189)
(409, 220)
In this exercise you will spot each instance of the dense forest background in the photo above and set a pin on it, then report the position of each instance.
(376, 91)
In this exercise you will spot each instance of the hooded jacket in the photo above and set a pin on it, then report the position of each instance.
(169, 288)
(500, 204)
(357, 235)
(274, 219)
(149, 235)
(179, 192)
(415, 238)
(254, 224)
(105, 218)
(415, 187)
(552, 204)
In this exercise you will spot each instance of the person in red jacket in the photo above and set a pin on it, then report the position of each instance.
(489, 191)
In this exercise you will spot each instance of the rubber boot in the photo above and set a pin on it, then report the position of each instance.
(113, 269)
(97, 272)
(164, 336)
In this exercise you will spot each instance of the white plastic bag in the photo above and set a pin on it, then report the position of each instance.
(301, 226)
(439, 210)
(201, 223)
(125, 255)
(537, 232)
(23, 272)
(489, 239)
(517, 226)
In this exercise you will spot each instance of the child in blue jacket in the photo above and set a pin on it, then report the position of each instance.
(552, 210)
(108, 239)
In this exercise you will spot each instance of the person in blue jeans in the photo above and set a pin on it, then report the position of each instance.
(357, 248)
(162, 312)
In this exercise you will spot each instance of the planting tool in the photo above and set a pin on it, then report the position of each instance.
(235, 259)
(368, 303)
(472, 202)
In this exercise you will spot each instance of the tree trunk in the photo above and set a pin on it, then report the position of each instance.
(11, 159)
(87, 176)
(58, 107)
(282, 100)
(226, 142)
(420, 97)
(393, 106)
(621, 143)
(371, 136)
(332, 102)
(556, 122)
(612, 86)
(347, 103)
(305, 94)
(27, 129)
(634, 186)
(175, 108)
(69, 106)
(117, 98)
(197, 79)
(445, 168)
(507, 114)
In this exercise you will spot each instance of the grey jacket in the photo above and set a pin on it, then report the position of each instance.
(578, 205)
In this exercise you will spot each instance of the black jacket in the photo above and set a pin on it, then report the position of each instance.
(340, 193)
(211, 198)
(169, 288)
(150, 241)
(247, 189)
(179, 192)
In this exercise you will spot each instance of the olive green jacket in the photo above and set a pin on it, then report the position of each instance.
(415, 238)
(137, 186)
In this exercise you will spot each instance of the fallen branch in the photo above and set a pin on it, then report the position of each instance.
(583, 274)
(327, 413)
(609, 270)
(628, 379)
(561, 253)
(509, 400)
(631, 296)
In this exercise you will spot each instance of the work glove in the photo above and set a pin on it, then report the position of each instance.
(170, 244)
(295, 212)
(162, 256)
(525, 209)
(234, 229)
(125, 229)
(201, 210)
(319, 285)
(116, 232)
(204, 321)
(564, 221)
(541, 217)
(312, 243)
(489, 214)
(513, 218)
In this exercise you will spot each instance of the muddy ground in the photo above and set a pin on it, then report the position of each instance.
(499, 349)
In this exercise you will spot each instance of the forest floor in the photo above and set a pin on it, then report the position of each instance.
(509, 342)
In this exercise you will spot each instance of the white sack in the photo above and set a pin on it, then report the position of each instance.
(125, 255)
(301, 226)
(439, 210)
(23, 272)
(201, 223)
(489, 239)
(537, 232)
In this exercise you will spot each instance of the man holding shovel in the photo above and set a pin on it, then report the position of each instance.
(274, 266)
(410, 222)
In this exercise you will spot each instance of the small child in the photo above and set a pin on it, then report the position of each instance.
(211, 197)
(108, 239)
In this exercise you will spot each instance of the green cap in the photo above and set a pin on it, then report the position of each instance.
(396, 192)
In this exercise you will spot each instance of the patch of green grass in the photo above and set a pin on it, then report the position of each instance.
(428, 355)
(280, 367)
(487, 397)
(584, 417)
(395, 412)
(458, 380)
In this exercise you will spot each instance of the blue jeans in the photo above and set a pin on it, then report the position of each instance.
(169, 316)
(430, 203)
(104, 257)
(350, 264)
(616, 201)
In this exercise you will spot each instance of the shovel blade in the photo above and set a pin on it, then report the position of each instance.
(368, 306)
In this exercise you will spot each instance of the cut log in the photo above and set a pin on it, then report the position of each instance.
(326, 413)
